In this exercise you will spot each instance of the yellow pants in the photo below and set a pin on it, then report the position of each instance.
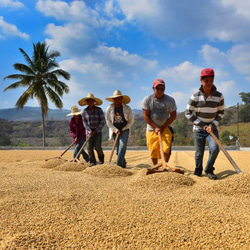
(154, 145)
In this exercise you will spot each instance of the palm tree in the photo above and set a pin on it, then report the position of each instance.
(41, 78)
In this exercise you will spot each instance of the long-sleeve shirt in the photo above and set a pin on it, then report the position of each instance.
(93, 120)
(128, 115)
(77, 130)
(203, 111)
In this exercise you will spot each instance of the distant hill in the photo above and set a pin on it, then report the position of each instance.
(34, 114)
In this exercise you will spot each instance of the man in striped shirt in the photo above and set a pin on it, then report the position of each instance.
(205, 109)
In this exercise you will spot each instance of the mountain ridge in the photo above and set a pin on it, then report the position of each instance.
(34, 114)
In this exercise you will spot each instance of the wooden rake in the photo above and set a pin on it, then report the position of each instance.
(60, 156)
(164, 166)
(226, 153)
(113, 148)
(79, 152)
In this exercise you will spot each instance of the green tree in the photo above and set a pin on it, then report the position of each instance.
(41, 77)
(244, 113)
(245, 97)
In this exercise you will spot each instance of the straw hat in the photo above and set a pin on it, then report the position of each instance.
(83, 102)
(75, 111)
(118, 93)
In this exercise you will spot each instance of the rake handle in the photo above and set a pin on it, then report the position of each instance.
(226, 153)
(83, 145)
(67, 148)
(164, 164)
(113, 148)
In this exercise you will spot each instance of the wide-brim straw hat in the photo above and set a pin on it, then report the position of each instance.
(75, 111)
(118, 93)
(83, 101)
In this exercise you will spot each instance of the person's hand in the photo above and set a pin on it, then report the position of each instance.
(119, 132)
(157, 130)
(93, 133)
(208, 129)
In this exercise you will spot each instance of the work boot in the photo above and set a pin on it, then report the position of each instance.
(211, 176)
(92, 164)
(101, 160)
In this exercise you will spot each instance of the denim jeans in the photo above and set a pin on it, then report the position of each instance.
(200, 143)
(95, 142)
(78, 147)
(121, 148)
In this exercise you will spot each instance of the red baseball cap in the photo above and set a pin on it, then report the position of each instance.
(158, 82)
(207, 72)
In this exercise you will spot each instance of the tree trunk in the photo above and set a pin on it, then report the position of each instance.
(43, 127)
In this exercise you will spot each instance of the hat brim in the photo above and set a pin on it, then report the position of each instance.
(83, 101)
(125, 99)
(76, 113)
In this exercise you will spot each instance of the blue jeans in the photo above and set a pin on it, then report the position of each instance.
(78, 147)
(121, 148)
(200, 143)
(95, 142)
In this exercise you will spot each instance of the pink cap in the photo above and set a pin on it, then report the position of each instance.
(158, 82)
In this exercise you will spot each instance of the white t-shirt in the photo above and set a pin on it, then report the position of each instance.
(160, 109)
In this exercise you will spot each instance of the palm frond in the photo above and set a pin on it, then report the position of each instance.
(27, 58)
(16, 85)
(54, 97)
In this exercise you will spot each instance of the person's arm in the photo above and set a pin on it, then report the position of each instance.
(148, 120)
(169, 120)
(101, 121)
(220, 113)
(72, 130)
(85, 122)
(190, 114)
(109, 119)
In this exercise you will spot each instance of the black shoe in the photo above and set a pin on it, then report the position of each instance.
(211, 176)
(198, 174)
(100, 162)
(92, 164)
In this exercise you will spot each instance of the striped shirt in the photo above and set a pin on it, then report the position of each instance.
(93, 120)
(203, 111)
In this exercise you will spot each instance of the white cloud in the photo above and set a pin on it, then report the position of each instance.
(71, 39)
(239, 57)
(11, 4)
(184, 73)
(7, 29)
(213, 56)
(61, 10)
(217, 20)
(242, 8)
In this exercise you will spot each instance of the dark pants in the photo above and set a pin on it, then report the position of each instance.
(95, 142)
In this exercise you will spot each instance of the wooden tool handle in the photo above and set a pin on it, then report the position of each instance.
(67, 148)
(226, 153)
(83, 145)
(113, 148)
(164, 165)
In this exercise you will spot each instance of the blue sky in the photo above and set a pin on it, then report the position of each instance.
(126, 44)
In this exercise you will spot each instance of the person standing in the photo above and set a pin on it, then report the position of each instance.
(119, 119)
(205, 110)
(93, 121)
(77, 131)
(159, 111)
